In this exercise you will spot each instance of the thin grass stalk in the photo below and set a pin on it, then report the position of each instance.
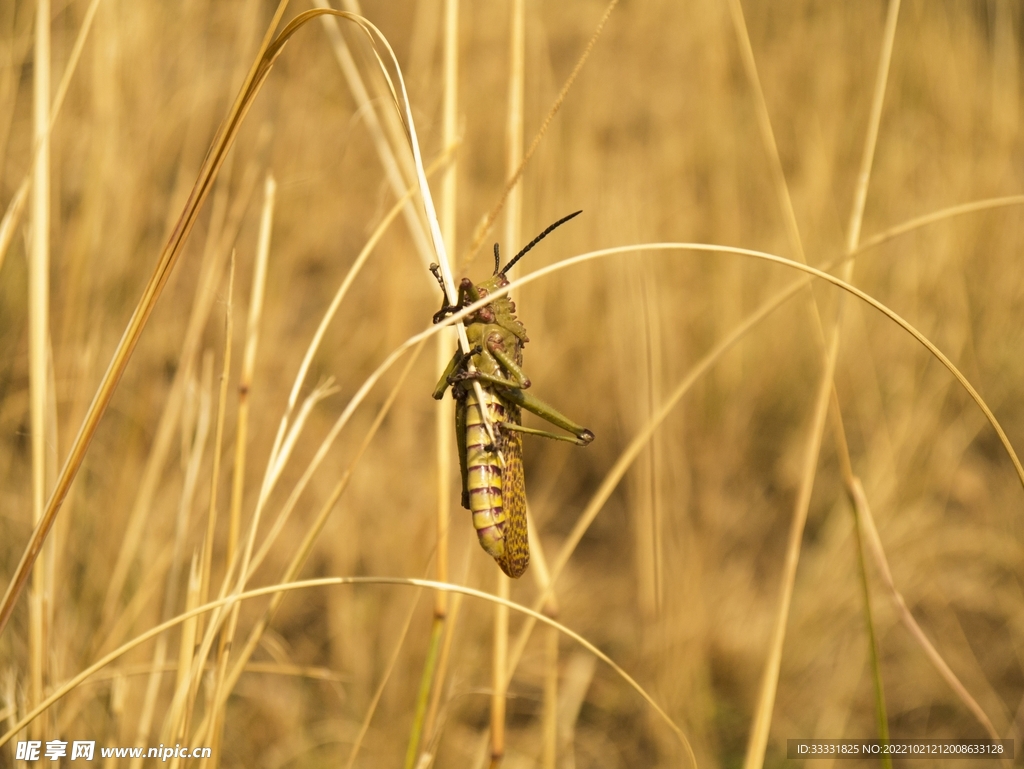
(401, 98)
(764, 125)
(874, 543)
(871, 135)
(549, 718)
(514, 124)
(248, 368)
(313, 673)
(38, 322)
(431, 730)
(187, 684)
(364, 727)
(175, 721)
(423, 694)
(9, 224)
(864, 520)
(444, 411)
(41, 141)
(549, 711)
(397, 178)
(499, 668)
(762, 718)
(218, 246)
(222, 397)
(759, 731)
(10, 712)
(513, 225)
(395, 132)
(304, 550)
(853, 240)
(881, 716)
(198, 431)
(846, 472)
(942, 214)
(249, 362)
(549, 605)
(652, 510)
(484, 227)
(150, 698)
(61, 691)
(257, 75)
(767, 134)
(761, 725)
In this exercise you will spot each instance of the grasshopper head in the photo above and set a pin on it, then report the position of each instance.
(502, 311)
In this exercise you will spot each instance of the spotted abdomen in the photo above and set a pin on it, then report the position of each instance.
(494, 480)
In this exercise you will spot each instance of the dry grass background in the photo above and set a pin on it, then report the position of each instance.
(678, 577)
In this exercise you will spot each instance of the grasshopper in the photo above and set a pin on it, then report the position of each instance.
(493, 484)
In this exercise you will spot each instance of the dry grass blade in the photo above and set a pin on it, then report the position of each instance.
(761, 726)
(431, 728)
(252, 336)
(11, 218)
(364, 727)
(39, 338)
(397, 175)
(17, 204)
(216, 251)
(942, 214)
(339, 296)
(513, 225)
(222, 398)
(287, 433)
(144, 308)
(302, 553)
(820, 274)
(485, 226)
(432, 677)
(765, 129)
(62, 690)
(758, 739)
(248, 367)
(874, 544)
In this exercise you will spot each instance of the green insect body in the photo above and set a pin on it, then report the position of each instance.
(493, 483)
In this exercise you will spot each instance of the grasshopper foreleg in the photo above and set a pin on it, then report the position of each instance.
(451, 371)
(480, 376)
(511, 367)
(517, 379)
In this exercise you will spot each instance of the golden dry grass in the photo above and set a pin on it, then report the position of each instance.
(678, 577)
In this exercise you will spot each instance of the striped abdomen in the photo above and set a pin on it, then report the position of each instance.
(494, 483)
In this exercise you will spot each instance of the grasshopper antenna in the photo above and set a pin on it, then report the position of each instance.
(497, 259)
(532, 243)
